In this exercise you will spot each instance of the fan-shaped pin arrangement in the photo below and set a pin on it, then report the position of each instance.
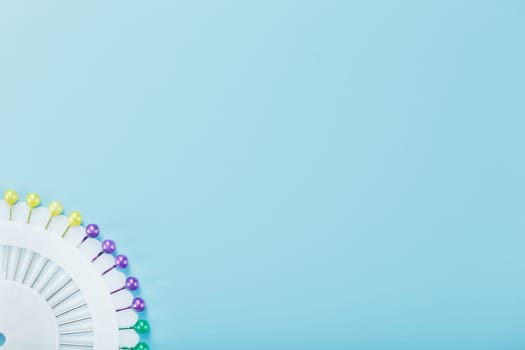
(60, 286)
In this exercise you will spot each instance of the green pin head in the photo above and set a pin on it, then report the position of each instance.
(141, 327)
(141, 346)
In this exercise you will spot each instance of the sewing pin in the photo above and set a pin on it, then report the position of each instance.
(121, 262)
(75, 219)
(55, 209)
(141, 327)
(33, 201)
(11, 197)
(139, 346)
(132, 284)
(108, 247)
(92, 231)
(138, 305)
(71, 310)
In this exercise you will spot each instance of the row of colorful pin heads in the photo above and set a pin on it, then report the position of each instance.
(33, 200)
(132, 283)
(75, 219)
(121, 262)
(108, 247)
(141, 327)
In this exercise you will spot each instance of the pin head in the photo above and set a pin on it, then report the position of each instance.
(138, 304)
(108, 246)
(141, 346)
(92, 230)
(132, 283)
(11, 197)
(33, 200)
(75, 218)
(55, 208)
(121, 261)
(141, 327)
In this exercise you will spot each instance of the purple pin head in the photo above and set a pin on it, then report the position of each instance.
(92, 230)
(132, 283)
(108, 246)
(121, 261)
(138, 304)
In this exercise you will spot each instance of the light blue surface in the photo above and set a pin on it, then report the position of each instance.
(285, 174)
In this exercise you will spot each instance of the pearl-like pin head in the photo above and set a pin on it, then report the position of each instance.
(55, 208)
(33, 200)
(11, 197)
(74, 218)
(141, 327)
(92, 230)
(138, 304)
(121, 261)
(141, 346)
(108, 246)
(132, 283)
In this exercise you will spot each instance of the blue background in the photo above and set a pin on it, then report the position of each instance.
(285, 174)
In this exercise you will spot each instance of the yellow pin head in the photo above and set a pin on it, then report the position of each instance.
(55, 208)
(75, 218)
(33, 200)
(11, 197)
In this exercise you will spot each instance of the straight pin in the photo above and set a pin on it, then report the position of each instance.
(132, 284)
(79, 346)
(8, 257)
(60, 289)
(87, 318)
(141, 327)
(75, 219)
(40, 273)
(92, 231)
(77, 332)
(108, 247)
(55, 272)
(138, 305)
(71, 310)
(33, 201)
(121, 262)
(11, 197)
(17, 266)
(31, 260)
(55, 209)
(65, 299)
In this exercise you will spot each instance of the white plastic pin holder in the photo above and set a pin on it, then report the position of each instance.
(61, 288)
